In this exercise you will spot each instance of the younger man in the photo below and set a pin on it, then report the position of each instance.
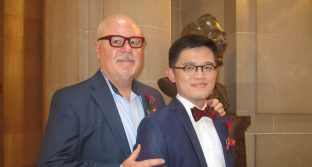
(181, 134)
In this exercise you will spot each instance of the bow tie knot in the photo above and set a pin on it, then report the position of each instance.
(208, 112)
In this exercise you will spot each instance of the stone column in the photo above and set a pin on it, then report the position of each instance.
(21, 75)
(1, 84)
(175, 19)
(70, 32)
(241, 63)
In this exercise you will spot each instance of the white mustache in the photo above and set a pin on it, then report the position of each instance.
(127, 57)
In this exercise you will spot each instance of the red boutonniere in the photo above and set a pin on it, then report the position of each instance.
(231, 125)
(150, 103)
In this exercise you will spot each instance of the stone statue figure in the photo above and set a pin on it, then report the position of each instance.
(209, 26)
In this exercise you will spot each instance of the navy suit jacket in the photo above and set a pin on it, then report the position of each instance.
(84, 127)
(169, 134)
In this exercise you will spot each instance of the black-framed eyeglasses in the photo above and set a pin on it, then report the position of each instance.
(119, 41)
(192, 69)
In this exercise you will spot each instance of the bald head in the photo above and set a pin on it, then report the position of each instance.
(118, 25)
(119, 64)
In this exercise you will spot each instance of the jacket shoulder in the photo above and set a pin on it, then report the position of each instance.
(148, 90)
(75, 89)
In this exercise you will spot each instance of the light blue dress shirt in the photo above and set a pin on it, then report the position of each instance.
(131, 112)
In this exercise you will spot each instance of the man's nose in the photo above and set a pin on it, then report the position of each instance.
(127, 46)
(199, 72)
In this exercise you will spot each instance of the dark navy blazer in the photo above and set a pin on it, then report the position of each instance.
(169, 134)
(84, 127)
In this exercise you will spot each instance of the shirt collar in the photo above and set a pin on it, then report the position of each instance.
(114, 89)
(186, 103)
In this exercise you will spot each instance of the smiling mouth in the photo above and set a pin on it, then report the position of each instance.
(199, 85)
(125, 61)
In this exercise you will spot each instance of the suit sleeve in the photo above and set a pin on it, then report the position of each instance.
(151, 139)
(60, 142)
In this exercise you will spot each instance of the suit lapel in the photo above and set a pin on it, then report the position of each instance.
(104, 99)
(145, 105)
(180, 112)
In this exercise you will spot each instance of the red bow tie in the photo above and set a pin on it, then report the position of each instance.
(208, 112)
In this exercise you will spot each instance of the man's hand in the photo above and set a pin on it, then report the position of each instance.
(215, 103)
(130, 162)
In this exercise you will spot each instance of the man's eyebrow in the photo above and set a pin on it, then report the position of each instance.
(193, 63)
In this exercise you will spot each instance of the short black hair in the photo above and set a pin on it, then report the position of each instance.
(188, 42)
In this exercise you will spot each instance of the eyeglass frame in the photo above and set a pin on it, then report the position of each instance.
(109, 37)
(196, 68)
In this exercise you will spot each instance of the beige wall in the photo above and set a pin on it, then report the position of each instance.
(267, 72)
(272, 81)
(283, 99)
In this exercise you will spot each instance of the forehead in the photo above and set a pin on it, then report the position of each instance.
(124, 28)
(197, 55)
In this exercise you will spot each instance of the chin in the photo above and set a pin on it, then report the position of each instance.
(127, 72)
(200, 97)
(200, 94)
(127, 75)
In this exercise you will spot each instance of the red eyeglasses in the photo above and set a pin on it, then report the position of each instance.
(119, 41)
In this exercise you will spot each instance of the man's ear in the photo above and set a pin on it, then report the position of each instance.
(218, 72)
(171, 75)
(97, 49)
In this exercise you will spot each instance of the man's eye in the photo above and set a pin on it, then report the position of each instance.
(117, 41)
(134, 42)
(208, 67)
(189, 68)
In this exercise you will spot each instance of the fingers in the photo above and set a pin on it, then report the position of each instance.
(217, 106)
(135, 153)
(152, 162)
(131, 161)
(221, 112)
(212, 102)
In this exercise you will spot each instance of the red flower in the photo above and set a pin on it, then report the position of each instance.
(230, 141)
(151, 103)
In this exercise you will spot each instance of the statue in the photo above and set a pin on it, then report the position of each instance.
(206, 25)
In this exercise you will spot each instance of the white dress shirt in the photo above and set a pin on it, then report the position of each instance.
(207, 136)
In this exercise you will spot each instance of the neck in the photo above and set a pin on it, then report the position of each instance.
(200, 103)
(124, 86)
